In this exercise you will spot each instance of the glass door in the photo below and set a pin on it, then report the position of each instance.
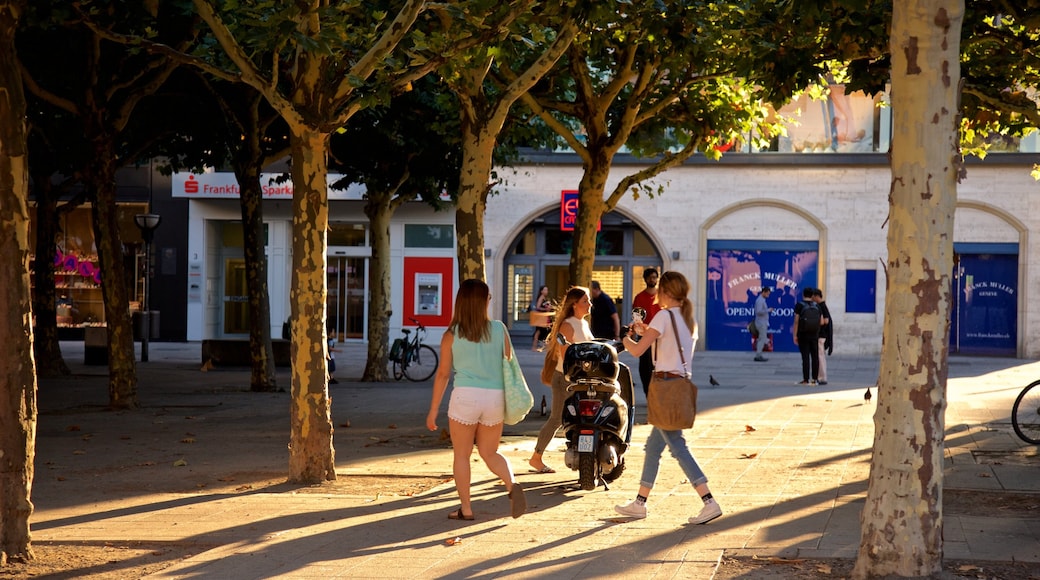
(347, 297)
(236, 297)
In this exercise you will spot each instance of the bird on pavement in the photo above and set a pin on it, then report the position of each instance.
(711, 379)
(866, 395)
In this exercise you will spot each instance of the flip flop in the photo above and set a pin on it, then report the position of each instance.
(544, 469)
(458, 515)
(517, 501)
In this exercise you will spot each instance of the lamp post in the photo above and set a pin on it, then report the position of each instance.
(147, 222)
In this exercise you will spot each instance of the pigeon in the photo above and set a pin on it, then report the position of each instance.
(866, 395)
(711, 379)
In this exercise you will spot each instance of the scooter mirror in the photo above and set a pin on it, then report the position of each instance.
(561, 339)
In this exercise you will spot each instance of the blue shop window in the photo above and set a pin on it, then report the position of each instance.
(861, 291)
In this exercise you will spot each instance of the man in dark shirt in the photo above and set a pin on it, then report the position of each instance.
(807, 338)
(605, 320)
(826, 338)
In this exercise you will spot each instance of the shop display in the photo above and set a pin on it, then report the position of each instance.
(77, 285)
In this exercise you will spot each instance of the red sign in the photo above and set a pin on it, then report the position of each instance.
(569, 210)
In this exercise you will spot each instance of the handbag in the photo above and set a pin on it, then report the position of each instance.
(549, 364)
(519, 399)
(671, 403)
(752, 328)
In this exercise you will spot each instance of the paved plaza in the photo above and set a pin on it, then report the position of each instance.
(788, 464)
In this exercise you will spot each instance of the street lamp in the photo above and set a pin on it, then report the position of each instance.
(147, 222)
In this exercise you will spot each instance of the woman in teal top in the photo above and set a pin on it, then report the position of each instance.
(474, 347)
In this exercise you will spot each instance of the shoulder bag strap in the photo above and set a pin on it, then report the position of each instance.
(678, 343)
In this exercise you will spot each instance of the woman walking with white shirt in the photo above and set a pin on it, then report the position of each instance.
(672, 296)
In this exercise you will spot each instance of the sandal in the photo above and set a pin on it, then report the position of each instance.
(544, 469)
(517, 501)
(458, 515)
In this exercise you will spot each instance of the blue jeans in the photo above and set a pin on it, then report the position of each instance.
(675, 441)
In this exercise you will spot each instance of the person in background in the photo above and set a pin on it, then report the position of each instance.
(826, 338)
(673, 297)
(605, 321)
(806, 330)
(647, 300)
(541, 303)
(332, 361)
(762, 311)
(473, 348)
(571, 321)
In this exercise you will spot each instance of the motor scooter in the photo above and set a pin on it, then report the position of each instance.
(599, 414)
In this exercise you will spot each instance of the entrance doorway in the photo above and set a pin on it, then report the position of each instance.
(984, 320)
(346, 298)
(540, 255)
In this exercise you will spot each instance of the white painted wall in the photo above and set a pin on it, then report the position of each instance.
(844, 208)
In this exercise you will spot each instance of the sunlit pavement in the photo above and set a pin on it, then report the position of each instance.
(789, 465)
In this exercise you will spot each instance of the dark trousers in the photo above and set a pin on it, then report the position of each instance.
(646, 369)
(809, 346)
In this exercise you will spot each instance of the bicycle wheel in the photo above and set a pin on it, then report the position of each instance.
(399, 364)
(1025, 414)
(422, 365)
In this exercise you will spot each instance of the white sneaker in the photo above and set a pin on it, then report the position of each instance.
(633, 509)
(710, 511)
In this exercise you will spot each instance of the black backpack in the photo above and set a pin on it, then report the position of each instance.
(809, 318)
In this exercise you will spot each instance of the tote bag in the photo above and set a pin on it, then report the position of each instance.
(671, 403)
(519, 399)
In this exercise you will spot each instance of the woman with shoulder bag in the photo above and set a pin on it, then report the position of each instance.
(472, 349)
(571, 321)
(672, 334)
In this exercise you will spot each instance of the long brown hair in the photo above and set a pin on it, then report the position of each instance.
(566, 309)
(470, 319)
(675, 285)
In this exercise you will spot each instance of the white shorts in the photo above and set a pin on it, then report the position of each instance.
(470, 405)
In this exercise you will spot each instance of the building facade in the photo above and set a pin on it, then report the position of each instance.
(785, 221)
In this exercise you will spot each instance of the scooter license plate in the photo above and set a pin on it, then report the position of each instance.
(584, 443)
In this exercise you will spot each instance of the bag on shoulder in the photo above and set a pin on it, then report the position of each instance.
(549, 365)
(809, 320)
(752, 328)
(671, 402)
(519, 399)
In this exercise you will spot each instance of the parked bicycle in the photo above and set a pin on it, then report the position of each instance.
(411, 357)
(1025, 413)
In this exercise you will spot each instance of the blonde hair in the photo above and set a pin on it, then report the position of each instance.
(470, 319)
(566, 309)
(675, 286)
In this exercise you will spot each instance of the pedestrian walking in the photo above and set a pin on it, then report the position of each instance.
(571, 321)
(539, 320)
(826, 338)
(806, 329)
(473, 348)
(673, 297)
(762, 311)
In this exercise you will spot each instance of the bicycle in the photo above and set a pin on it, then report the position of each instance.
(411, 357)
(1025, 413)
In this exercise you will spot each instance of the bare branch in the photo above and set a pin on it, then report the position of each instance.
(45, 95)
(667, 161)
(249, 73)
